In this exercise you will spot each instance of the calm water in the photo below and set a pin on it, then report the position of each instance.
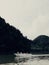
(24, 59)
(33, 59)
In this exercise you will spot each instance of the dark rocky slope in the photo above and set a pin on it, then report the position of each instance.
(40, 44)
(12, 41)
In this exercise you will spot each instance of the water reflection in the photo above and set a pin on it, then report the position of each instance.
(4, 59)
(25, 57)
(28, 59)
(21, 58)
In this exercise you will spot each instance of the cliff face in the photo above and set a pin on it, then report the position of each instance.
(11, 39)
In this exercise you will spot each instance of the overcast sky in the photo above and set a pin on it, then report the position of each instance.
(30, 16)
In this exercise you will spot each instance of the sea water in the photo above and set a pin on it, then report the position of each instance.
(42, 59)
(25, 59)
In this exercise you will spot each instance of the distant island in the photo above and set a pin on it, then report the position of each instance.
(40, 45)
(13, 41)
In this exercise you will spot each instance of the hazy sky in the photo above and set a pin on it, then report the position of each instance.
(30, 16)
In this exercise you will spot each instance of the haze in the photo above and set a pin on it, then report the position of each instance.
(31, 17)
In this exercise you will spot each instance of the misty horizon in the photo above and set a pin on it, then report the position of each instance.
(31, 17)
